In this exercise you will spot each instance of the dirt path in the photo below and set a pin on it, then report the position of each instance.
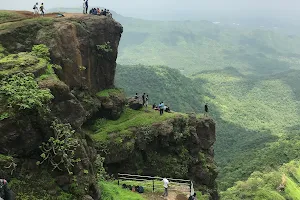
(172, 196)
(23, 15)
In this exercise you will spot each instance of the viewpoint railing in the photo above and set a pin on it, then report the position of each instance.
(155, 183)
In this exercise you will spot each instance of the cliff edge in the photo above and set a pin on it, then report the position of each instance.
(51, 70)
(62, 121)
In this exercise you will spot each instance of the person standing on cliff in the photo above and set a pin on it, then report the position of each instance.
(86, 6)
(36, 9)
(166, 185)
(42, 9)
(144, 98)
(161, 108)
(206, 110)
(83, 7)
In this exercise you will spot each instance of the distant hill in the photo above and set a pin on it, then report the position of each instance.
(257, 117)
(193, 46)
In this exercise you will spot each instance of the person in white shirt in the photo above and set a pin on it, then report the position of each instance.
(83, 7)
(36, 9)
(166, 185)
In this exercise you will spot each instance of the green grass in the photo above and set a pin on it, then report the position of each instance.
(130, 118)
(111, 191)
(49, 74)
(6, 16)
(108, 92)
(21, 62)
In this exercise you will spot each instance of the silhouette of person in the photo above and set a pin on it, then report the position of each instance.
(206, 109)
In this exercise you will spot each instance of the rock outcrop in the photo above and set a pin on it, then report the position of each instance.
(86, 47)
(181, 147)
(83, 52)
(80, 76)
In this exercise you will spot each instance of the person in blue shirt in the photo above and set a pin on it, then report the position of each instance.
(161, 108)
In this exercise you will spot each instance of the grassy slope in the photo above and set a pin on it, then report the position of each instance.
(130, 118)
(111, 191)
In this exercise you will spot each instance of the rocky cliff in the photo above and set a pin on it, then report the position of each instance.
(174, 145)
(35, 113)
(60, 113)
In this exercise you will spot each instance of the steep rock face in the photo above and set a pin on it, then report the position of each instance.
(180, 148)
(85, 70)
(73, 45)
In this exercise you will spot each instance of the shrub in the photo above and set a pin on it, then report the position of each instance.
(41, 51)
(59, 151)
(21, 91)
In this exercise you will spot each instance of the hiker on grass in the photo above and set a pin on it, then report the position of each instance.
(206, 110)
(144, 99)
(166, 185)
(42, 9)
(36, 9)
(161, 108)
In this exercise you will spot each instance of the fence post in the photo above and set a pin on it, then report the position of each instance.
(190, 187)
(118, 179)
(153, 185)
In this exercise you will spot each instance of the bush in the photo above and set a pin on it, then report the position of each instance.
(21, 92)
(41, 51)
(59, 151)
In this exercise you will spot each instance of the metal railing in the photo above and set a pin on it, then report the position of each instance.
(175, 184)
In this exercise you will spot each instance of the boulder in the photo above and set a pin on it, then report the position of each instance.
(135, 104)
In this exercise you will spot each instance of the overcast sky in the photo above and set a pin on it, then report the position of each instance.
(140, 8)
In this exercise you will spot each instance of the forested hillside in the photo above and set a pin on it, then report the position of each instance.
(278, 184)
(257, 125)
(193, 46)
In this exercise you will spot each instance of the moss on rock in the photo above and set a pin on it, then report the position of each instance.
(22, 62)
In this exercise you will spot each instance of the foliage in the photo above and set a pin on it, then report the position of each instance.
(41, 51)
(59, 151)
(130, 118)
(21, 92)
(7, 16)
(36, 187)
(108, 92)
(110, 191)
(101, 173)
(254, 121)
(49, 74)
(104, 48)
(4, 115)
(21, 62)
(265, 185)
(162, 84)
(194, 46)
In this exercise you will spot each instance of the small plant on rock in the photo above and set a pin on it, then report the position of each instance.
(104, 48)
(60, 149)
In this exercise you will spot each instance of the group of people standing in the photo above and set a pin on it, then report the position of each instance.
(145, 99)
(38, 9)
